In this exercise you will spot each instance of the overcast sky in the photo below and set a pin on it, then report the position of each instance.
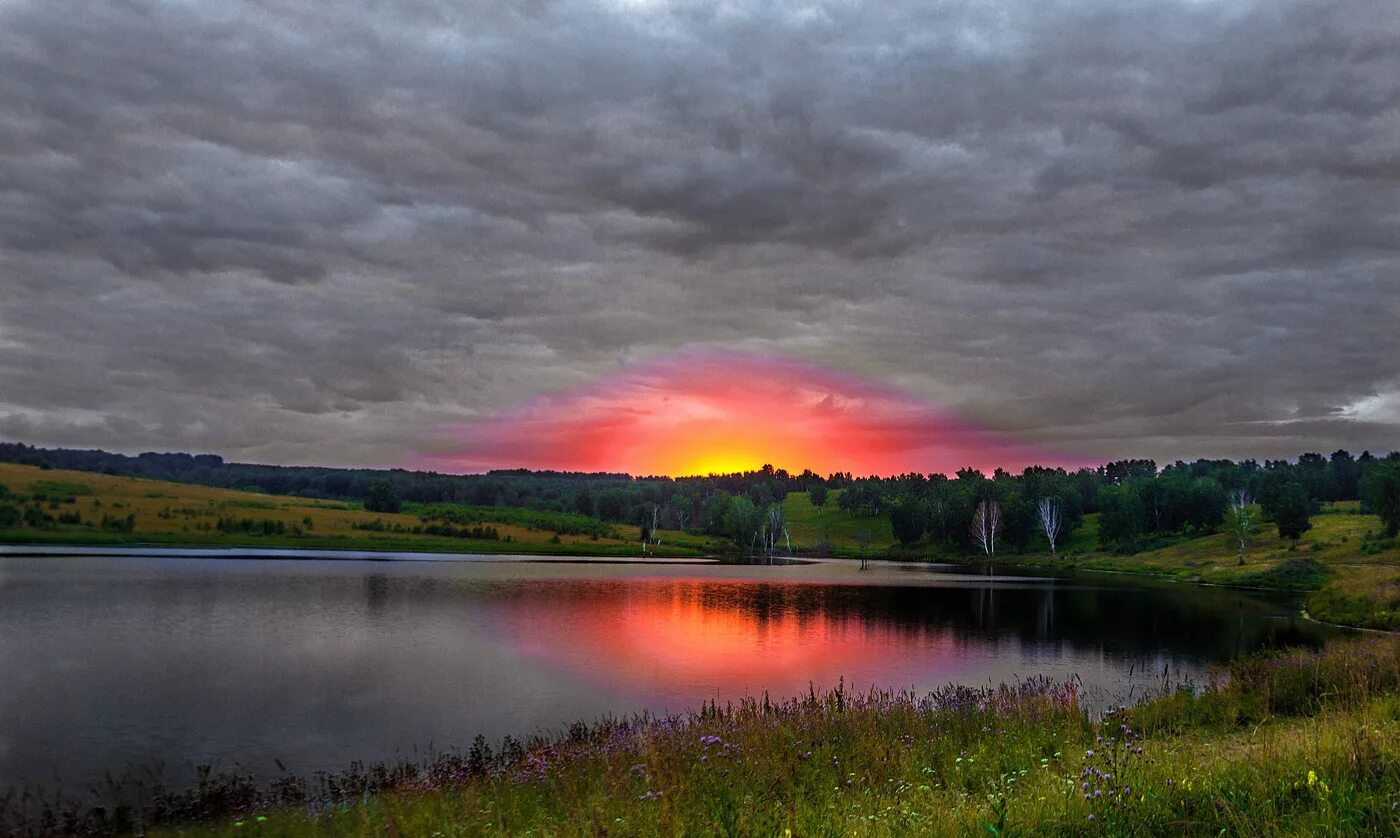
(330, 232)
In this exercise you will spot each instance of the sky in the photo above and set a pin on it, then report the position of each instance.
(313, 231)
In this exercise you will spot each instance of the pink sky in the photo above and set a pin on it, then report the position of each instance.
(696, 412)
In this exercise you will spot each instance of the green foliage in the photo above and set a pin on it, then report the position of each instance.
(33, 516)
(712, 516)
(559, 523)
(59, 488)
(742, 521)
(1294, 575)
(1291, 511)
(119, 523)
(10, 516)
(1121, 516)
(381, 497)
(817, 495)
(1018, 522)
(907, 520)
(1381, 495)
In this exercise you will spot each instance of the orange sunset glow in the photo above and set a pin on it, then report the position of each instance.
(713, 413)
(699, 633)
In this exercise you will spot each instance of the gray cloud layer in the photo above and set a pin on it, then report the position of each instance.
(322, 231)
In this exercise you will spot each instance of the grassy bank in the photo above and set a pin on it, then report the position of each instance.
(99, 509)
(1349, 573)
(1292, 744)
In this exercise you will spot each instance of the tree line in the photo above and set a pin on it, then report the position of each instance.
(1139, 505)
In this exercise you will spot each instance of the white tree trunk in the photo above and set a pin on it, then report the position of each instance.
(1241, 519)
(986, 523)
(1048, 510)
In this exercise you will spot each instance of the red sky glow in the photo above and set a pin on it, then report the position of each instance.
(706, 412)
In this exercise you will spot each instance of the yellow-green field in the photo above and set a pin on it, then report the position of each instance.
(183, 514)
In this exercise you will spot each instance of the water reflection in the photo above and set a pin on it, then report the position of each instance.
(730, 638)
(111, 662)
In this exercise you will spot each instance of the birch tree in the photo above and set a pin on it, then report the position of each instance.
(777, 527)
(986, 523)
(1048, 511)
(1241, 517)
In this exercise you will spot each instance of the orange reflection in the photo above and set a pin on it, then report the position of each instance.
(714, 635)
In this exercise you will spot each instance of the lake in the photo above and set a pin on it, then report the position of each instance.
(136, 659)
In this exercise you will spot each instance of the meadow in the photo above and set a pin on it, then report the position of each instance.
(87, 508)
(1290, 743)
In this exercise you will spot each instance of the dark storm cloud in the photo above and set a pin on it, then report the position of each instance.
(324, 231)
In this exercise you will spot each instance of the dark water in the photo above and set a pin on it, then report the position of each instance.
(114, 662)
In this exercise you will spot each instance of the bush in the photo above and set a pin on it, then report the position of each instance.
(1293, 575)
(1381, 493)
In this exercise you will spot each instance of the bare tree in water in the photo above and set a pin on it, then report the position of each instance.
(863, 539)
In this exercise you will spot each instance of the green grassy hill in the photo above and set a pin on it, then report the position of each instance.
(74, 506)
(810, 526)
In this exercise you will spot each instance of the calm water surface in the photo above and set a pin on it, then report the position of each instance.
(116, 662)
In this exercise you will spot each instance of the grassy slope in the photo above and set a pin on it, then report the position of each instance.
(193, 508)
(809, 525)
(1354, 580)
(1303, 744)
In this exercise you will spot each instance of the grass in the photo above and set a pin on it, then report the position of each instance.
(179, 514)
(1294, 743)
(810, 526)
(1351, 575)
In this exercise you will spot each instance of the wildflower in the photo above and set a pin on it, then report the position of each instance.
(1312, 777)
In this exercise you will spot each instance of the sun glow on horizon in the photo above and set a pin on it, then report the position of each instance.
(700, 413)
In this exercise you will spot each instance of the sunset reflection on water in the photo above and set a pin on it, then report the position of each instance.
(728, 637)
(190, 661)
(681, 640)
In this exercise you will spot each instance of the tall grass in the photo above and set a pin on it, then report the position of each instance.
(1289, 743)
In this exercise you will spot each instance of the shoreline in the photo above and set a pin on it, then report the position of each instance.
(1315, 755)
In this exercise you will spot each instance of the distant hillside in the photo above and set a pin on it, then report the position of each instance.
(60, 506)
